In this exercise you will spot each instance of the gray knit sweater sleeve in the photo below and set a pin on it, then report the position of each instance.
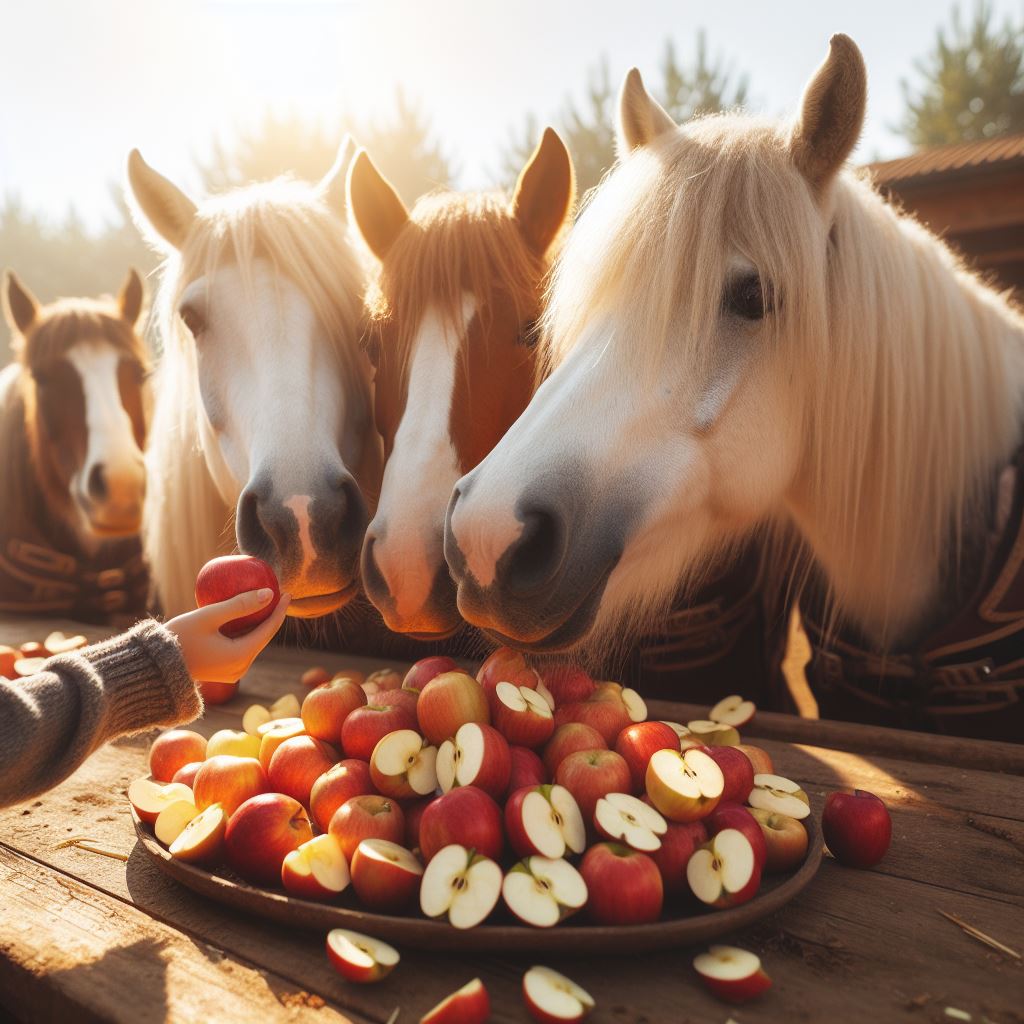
(52, 721)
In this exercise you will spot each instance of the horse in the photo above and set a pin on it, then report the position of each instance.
(73, 418)
(745, 340)
(263, 396)
(451, 313)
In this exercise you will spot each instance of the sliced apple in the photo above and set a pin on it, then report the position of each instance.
(553, 998)
(360, 958)
(316, 870)
(541, 891)
(733, 710)
(549, 698)
(732, 974)
(58, 643)
(778, 794)
(684, 785)
(403, 765)
(544, 820)
(202, 839)
(149, 798)
(521, 715)
(255, 715)
(385, 876)
(287, 706)
(470, 1005)
(171, 821)
(29, 666)
(724, 871)
(635, 704)
(478, 755)
(461, 884)
(713, 734)
(627, 818)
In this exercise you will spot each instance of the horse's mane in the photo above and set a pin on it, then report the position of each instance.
(290, 225)
(454, 243)
(907, 369)
(64, 322)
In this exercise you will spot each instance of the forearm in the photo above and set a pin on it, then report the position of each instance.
(51, 722)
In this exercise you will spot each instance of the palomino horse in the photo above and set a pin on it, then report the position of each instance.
(452, 310)
(263, 404)
(73, 412)
(746, 337)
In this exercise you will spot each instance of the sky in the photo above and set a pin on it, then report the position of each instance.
(83, 81)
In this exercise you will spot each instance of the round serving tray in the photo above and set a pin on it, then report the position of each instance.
(502, 936)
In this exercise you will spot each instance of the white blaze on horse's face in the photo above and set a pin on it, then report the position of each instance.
(111, 483)
(405, 537)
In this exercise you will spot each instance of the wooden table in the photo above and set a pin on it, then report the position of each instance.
(84, 937)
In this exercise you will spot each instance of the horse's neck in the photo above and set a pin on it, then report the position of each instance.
(939, 419)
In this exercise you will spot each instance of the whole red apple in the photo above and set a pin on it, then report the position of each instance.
(505, 666)
(366, 817)
(339, 783)
(623, 886)
(214, 692)
(760, 760)
(466, 816)
(527, 769)
(568, 684)
(449, 700)
(568, 739)
(857, 828)
(737, 771)
(229, 575)
(297, 764)
(396, 698)
(229, 781)
(734, 815)
(677, 846)
(173, 750)
(261, 833)
(367, 726)
(638, 742)
(590, 774)
(326, 707)
(785, 839)
(425, 669)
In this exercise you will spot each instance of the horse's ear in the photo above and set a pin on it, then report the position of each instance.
(332, 184)
(167, 210)
(641, 117)
(20, 305)
(129, 300)
(374, 205)
(831, 114)
(545, 192)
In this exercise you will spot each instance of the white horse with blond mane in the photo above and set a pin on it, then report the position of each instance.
(744, 336)
(263, 399)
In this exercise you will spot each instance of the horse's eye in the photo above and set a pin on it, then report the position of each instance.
(529, 333)
(747, 298)
(193, 320)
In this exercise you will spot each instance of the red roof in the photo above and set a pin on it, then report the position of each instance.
(958, 158)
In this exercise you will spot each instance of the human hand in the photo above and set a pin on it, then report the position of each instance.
(215, 658)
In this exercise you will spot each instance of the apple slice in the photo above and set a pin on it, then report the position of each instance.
(254, 716)
(150, 798)
(58, 643)
(542, 891)
(470, 1005)
(545, 693)
(477, 756)
(733, 710)
(713, 734)
(462, 884)
(783, 796)
(678, 728)
(171, 821)
(553, 998)
(627, 818)
(202, 839)
(732, 974)
(544, 820)
(635, 704)
(522, 716)
(724, 871)
(287, 706)
(316, 870)
(29, 666)
(273, 733)
(684, 785)
(385, 876)
(360, 958)
(403, 764)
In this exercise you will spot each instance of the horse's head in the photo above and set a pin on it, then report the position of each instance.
(261, 315)
(451, 335)
(684, 309)
(84, 372)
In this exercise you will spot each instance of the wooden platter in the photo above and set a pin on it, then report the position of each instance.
(502, 936)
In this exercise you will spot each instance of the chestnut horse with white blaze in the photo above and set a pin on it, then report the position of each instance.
(746, 339)
(452, 310)
(263, 399)
(73, 416)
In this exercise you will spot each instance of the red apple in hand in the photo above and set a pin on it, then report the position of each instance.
(229, 575)
(857, 828)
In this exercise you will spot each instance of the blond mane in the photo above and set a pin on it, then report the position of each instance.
(290, 225)
(906, 369)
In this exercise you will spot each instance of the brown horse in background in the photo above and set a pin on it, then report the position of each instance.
(73, 417)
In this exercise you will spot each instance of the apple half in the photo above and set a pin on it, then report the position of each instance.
(460, 884)
(733, 710)
(469, 1005)
(627, 818)
(403, 765)
(254, 716)
(385, 876)
(478, 755)
(778, 794)
(684, 785)
(201, 841)
(713, 734)
(544, 820)
(360, 958)
(552, 998)
(171, 821)
(316, 870)
(150, 798)
(522, 716)
(541, 891)
(724, 872)
(732, 974)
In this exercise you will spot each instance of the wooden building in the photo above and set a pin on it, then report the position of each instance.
(971, 193)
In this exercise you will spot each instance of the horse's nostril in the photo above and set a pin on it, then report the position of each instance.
(536, 557)
(96, 485)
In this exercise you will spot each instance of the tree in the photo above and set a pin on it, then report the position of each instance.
(588, 127)
(402, 148)
(972, 83)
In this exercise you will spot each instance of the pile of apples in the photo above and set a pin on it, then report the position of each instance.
(29, 658)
